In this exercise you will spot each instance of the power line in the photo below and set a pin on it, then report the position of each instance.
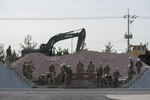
(69, 18)
(144, 17)
(63, 18)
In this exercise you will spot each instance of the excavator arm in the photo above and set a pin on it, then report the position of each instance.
(48, 48)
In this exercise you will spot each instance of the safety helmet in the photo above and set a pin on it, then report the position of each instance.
(68, 66)
(130, 57)
(62, 65)
(42, 74)
(129, 65)
(138, 59)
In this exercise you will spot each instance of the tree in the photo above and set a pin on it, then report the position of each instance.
(28, 43)
(85, 47)
(109, 48)
(65, 51)
(2, 57)
(15, 56)
(59, 52)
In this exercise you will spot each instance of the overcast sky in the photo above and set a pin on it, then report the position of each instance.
(99, 31)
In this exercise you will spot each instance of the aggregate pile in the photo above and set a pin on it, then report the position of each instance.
(42, 62)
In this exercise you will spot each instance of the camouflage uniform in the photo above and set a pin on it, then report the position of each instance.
(52, 68)
(80, 69)
(138, 65)
(48, 77)
(9, 55)
(61, 74)
(116, 76)
(29, 71)
(24, 69)
(131, 73)
(131, 63)
(99, 72)
(106, 69)
(52, 77)
(91, 69)
(41, 80)
(52, 74)
(69, 75)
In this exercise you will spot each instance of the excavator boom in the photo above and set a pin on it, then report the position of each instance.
(48, 47)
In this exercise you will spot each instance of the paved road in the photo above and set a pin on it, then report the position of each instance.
(9, 79)
(74, 94)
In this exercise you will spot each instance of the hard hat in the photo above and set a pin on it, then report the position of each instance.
(42, 74)
(130, 57)
(105, 74)
(68, 66)
(62, 64)
(138, 59)
(117, 68)
(129, 65)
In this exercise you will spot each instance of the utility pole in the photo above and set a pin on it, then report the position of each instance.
(128, 35)
(71, 45)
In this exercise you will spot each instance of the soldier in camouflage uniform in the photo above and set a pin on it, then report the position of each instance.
(80, 69)
(91, 69)
(24, 69)
(69, 75)
(29, 70)
(99, 72)
(131, 73)
(107, 69)
(139, 65)
(62, 73)
(48, 78)
(52, 74)
(116, 76)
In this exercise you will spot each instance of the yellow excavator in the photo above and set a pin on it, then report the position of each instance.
(140, 51)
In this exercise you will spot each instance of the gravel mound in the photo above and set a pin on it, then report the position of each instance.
(41, 62)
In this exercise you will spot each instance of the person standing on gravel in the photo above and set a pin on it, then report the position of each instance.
(24, 69)
(62, 73)
(99, 72)
(29, 70)
(9, 55)
(69, 75)
(91, 68)
(139, 65)
(80, 69)
(131, 62)
(131, 73)
(106, 69)
(52, 68)
(116, 76)
(52, 73)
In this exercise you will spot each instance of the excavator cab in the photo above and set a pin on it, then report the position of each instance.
(136, 50)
